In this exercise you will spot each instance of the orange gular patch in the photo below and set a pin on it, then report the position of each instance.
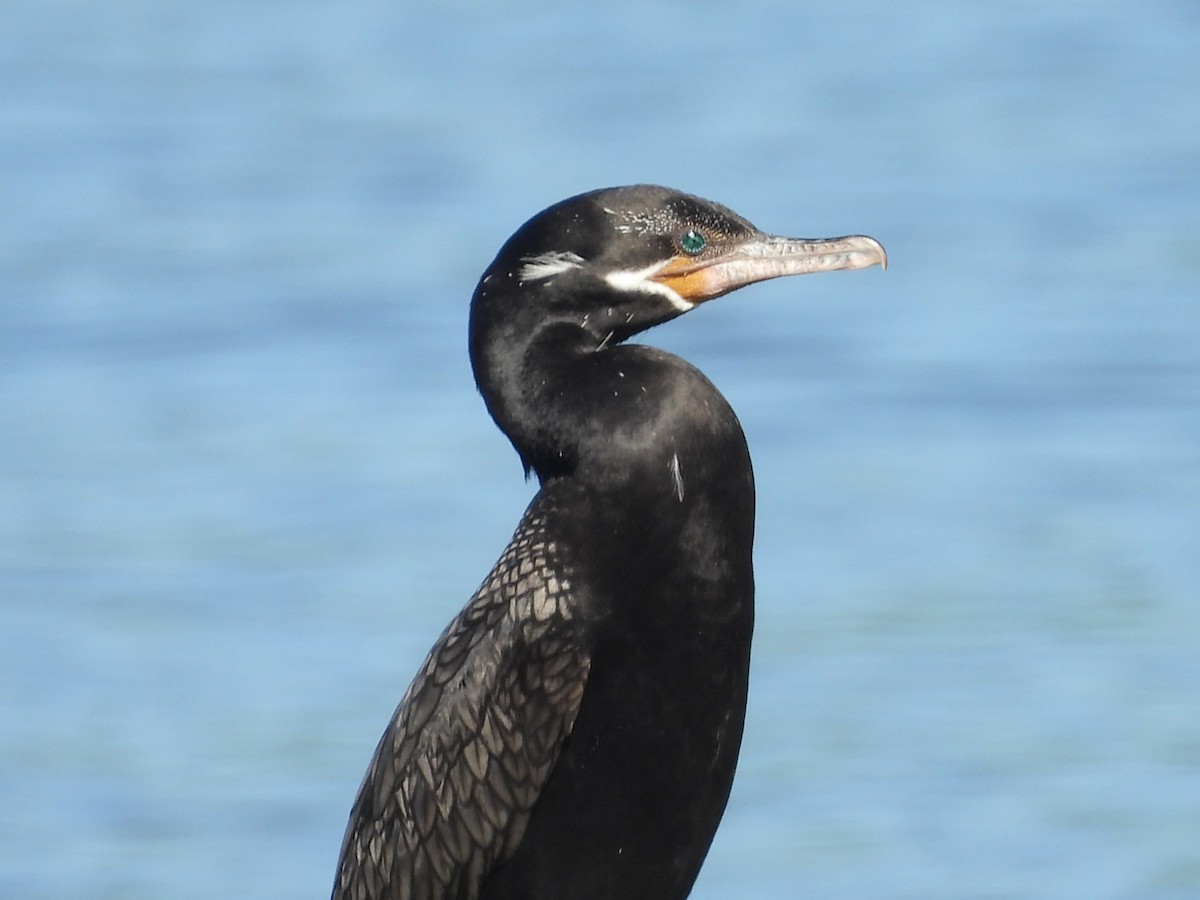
(692, 279)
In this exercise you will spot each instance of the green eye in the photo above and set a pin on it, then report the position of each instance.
(692, 242)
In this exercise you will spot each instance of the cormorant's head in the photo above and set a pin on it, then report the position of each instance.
(620, 260)
(591, 271)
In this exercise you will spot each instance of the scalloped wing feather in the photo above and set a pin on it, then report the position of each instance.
(449, 790)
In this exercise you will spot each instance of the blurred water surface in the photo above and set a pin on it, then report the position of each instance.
(245, 478)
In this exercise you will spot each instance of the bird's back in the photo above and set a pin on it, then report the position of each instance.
(450, 787)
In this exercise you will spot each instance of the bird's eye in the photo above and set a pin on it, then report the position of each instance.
(692, 242)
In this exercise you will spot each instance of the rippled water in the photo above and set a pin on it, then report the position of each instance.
(245, 479)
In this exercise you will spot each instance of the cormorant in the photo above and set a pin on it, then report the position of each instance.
(573, 733)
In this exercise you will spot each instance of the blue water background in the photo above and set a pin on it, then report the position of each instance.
(245, 478)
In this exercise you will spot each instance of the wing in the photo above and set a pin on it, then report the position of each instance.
(448, 793)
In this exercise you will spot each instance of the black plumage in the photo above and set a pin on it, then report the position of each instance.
(573, 733)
